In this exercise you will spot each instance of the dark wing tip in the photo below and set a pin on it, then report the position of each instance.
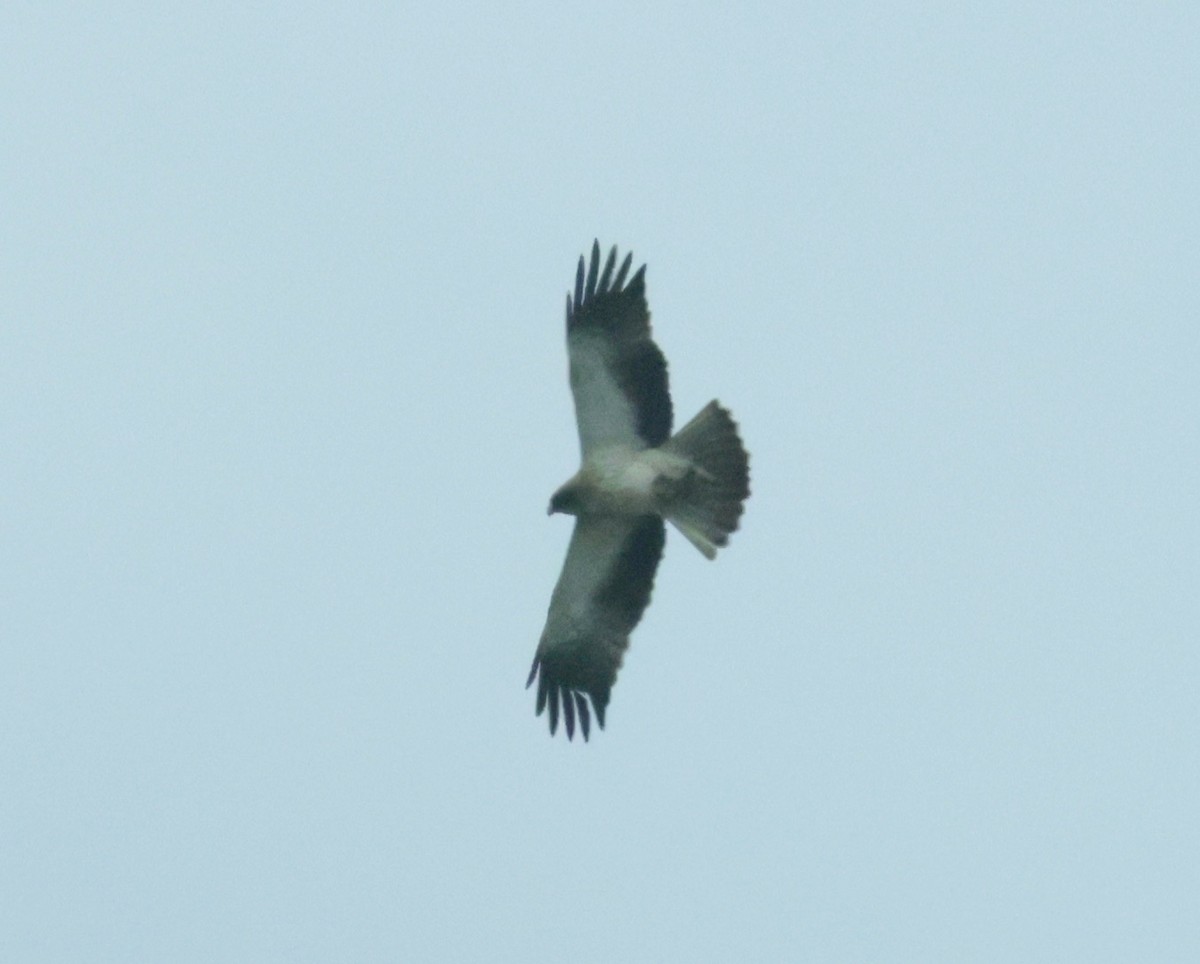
(637, 284)
(592, 282)
(625, 265)
(584, 718)
(579, 284)
(565, 699)
(606, 275)
(568, 705)
(589, 290)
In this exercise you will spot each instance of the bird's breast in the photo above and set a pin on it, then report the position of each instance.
(621, 481)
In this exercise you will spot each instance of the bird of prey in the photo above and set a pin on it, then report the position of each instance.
(634, 474)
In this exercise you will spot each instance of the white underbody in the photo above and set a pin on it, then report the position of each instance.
(619, 479)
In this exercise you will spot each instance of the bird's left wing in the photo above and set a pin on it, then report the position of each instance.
(601, 594)
(618, 373)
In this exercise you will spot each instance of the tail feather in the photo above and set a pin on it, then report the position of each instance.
(709, 501)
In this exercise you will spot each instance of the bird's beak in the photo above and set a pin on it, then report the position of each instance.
(550, 509)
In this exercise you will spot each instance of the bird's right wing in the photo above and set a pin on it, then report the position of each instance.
(601, 594)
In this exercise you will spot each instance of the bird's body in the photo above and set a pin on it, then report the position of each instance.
(634, 475)
(624, 481)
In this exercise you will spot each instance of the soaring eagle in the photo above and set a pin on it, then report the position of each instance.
(634, 474)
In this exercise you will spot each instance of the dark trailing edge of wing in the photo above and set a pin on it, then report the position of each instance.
(603, 302)
(566, 675)
(626, 592)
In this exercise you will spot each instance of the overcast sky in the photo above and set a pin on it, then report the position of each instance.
(283, 398)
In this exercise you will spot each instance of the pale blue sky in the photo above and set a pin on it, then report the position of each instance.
(283, 397)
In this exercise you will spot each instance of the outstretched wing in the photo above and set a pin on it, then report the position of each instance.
(601, 594)
(618, 374)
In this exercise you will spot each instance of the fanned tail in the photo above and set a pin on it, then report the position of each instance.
(710, 499)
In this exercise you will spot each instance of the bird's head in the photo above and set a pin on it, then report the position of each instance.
(565, 500)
